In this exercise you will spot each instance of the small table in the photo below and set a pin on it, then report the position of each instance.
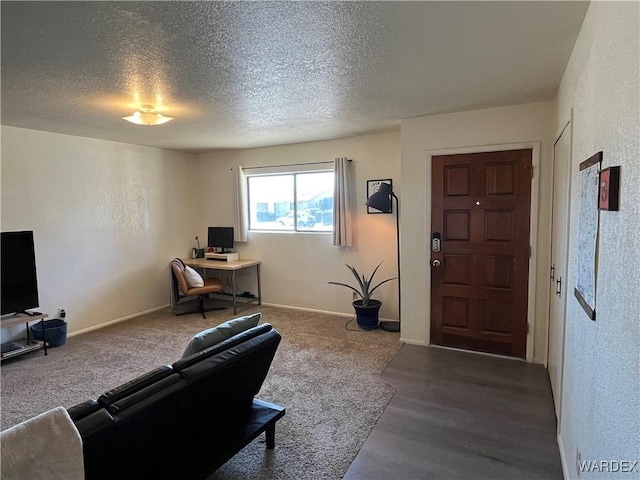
(28, 344)
(233, 267)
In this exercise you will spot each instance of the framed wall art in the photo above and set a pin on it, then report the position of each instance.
(372, 187)
(609, 188)
(585, 290)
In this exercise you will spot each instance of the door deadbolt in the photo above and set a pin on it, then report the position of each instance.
(435, 242)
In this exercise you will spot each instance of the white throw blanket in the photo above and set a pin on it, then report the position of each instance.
(48, 447)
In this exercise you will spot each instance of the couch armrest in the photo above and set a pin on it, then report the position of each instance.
(78, 412)
(97, 430)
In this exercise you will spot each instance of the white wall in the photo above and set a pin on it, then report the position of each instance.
(107, 219)
(601, 393)
(297, 266)
(496, 126)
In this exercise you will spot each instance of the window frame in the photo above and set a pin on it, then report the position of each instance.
(279, 172)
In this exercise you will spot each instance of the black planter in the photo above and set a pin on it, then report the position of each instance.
(367, 316)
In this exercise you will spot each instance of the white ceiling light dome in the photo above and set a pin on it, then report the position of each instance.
(147, 115)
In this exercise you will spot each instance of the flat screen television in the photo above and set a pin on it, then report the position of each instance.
(19, 279)
(220, 239)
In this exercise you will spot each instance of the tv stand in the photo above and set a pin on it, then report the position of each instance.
(26, 345)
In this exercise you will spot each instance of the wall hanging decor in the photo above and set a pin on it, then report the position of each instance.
(609, 188)
(372, 187)
(585, 290)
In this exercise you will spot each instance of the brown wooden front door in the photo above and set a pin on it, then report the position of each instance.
(481, 209)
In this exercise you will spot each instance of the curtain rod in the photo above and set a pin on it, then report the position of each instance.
(292, 164)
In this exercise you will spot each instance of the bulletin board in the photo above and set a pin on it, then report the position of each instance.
(585, 290)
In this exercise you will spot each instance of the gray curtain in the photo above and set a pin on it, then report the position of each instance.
(241, 225)
(342, 194)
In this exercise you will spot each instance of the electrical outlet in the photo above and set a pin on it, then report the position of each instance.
(62, 313)
(355, 296)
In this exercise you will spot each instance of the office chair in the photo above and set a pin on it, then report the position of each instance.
(211, 285)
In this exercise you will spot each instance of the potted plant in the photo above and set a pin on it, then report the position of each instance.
(366, 307)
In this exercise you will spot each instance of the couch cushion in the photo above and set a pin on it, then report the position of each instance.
(149, 427)
(135, 385)
(228, 381)
(212, 336)
(147, 395)
(237, 339)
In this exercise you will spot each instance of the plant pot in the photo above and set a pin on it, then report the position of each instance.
(367, 316)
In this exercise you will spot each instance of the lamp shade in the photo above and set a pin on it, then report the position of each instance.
(381, 200)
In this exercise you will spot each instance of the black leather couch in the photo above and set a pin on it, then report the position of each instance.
(185, 420)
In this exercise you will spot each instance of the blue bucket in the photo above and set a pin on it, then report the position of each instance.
(55, 332)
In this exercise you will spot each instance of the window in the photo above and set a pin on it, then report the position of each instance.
(300, 202)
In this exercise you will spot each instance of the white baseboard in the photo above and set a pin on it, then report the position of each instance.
(315, 310)
(288, 307)
(303, 309)
(419, 343)
(117, 320)
(563, 459)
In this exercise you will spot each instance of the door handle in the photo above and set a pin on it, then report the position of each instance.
(553, 272)
(435, 263)
(559, 287)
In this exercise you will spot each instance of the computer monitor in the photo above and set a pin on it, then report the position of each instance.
(220, 239)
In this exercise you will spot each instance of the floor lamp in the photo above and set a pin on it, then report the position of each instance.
(382, 200)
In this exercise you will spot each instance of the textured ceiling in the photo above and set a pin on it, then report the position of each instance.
(248, 74)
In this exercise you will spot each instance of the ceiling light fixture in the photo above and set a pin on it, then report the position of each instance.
(147, 115)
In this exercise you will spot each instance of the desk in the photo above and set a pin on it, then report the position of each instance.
(233, 267)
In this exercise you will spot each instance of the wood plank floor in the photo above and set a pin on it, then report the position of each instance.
(458, 415)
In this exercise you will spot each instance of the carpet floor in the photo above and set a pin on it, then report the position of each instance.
(325, 375)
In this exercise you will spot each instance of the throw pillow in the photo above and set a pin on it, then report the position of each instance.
(194, 279)
(213, 336)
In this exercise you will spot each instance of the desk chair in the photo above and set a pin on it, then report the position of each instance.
(211, 285)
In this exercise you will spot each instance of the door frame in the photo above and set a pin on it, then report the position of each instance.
(533, 227)
(568, 125)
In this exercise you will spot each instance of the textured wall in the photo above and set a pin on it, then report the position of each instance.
(523, 123)
(107, 218)
(601, 394)
(297, 266)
